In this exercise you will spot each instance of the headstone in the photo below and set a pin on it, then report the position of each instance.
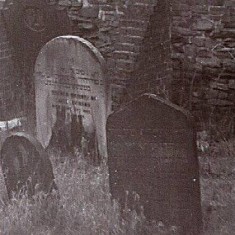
(31, 24)
(26, 166)
(152, 152)
(71, 91)
(9, 92)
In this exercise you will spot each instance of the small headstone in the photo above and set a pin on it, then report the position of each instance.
(71, 94)
(26, 166)
(152, 152)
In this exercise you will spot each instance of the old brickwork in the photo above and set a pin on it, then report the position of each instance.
(146, 43)
(153, 70)
(134, 38)
(203, 41)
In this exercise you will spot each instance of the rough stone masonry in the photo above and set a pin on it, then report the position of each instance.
(180, 49)
(183, 50)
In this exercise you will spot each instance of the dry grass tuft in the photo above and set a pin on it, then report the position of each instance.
(218, 188)
(84, 207)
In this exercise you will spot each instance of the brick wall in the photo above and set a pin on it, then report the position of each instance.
(133, 36)
(153, 68)
(203, 41)
(8, 78)
(147, 42)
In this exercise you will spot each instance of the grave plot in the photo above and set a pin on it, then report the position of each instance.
(152, 152)
(26, 166)
(71, 95)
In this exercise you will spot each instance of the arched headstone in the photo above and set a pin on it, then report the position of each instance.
(26, 166)
(152, 151)
(71, 88)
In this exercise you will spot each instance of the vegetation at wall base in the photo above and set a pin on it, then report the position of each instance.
(217, 166)
(84, 206)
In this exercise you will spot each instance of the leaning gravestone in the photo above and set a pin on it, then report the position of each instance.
(71, 87)
(26, 166)
(152, 152)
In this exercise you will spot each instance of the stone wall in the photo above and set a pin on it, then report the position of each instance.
(203, 41)
(146, 43)
(153, 68)
(181, 49)
(134, 38)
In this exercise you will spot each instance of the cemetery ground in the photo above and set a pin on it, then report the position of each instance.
(84, 205)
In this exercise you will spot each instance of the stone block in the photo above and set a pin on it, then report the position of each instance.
(181, 7)
(131, 39)
(219, 86)
(231, 84)
(133, 23)
(210, 62)
(218, 102)
(127, 47)
(198, 41)
(200, 9)
(132, 31)
(125, 55)
(217, 10)
(125, 64)
(223, 33)
(229, 65)
(203, 25)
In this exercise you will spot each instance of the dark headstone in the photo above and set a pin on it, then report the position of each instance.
(152, 151)
(9, 92)
(71, 93)
(26, 166)
(30, 24)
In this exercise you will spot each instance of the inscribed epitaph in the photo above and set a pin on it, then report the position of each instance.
(70, 85)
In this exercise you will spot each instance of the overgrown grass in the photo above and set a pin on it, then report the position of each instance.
(84, 207)
(218, 188)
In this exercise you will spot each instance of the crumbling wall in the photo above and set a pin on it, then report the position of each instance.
(153, 68)
(203, 55)
(146, 43)
(133, 36)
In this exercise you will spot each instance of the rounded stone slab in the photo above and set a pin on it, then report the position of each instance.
(26, 166)
(70, 76)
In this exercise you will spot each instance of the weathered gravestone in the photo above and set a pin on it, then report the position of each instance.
(152, 151)
(26, 166)
(30, 24)
(9, 92)
(71, 91)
